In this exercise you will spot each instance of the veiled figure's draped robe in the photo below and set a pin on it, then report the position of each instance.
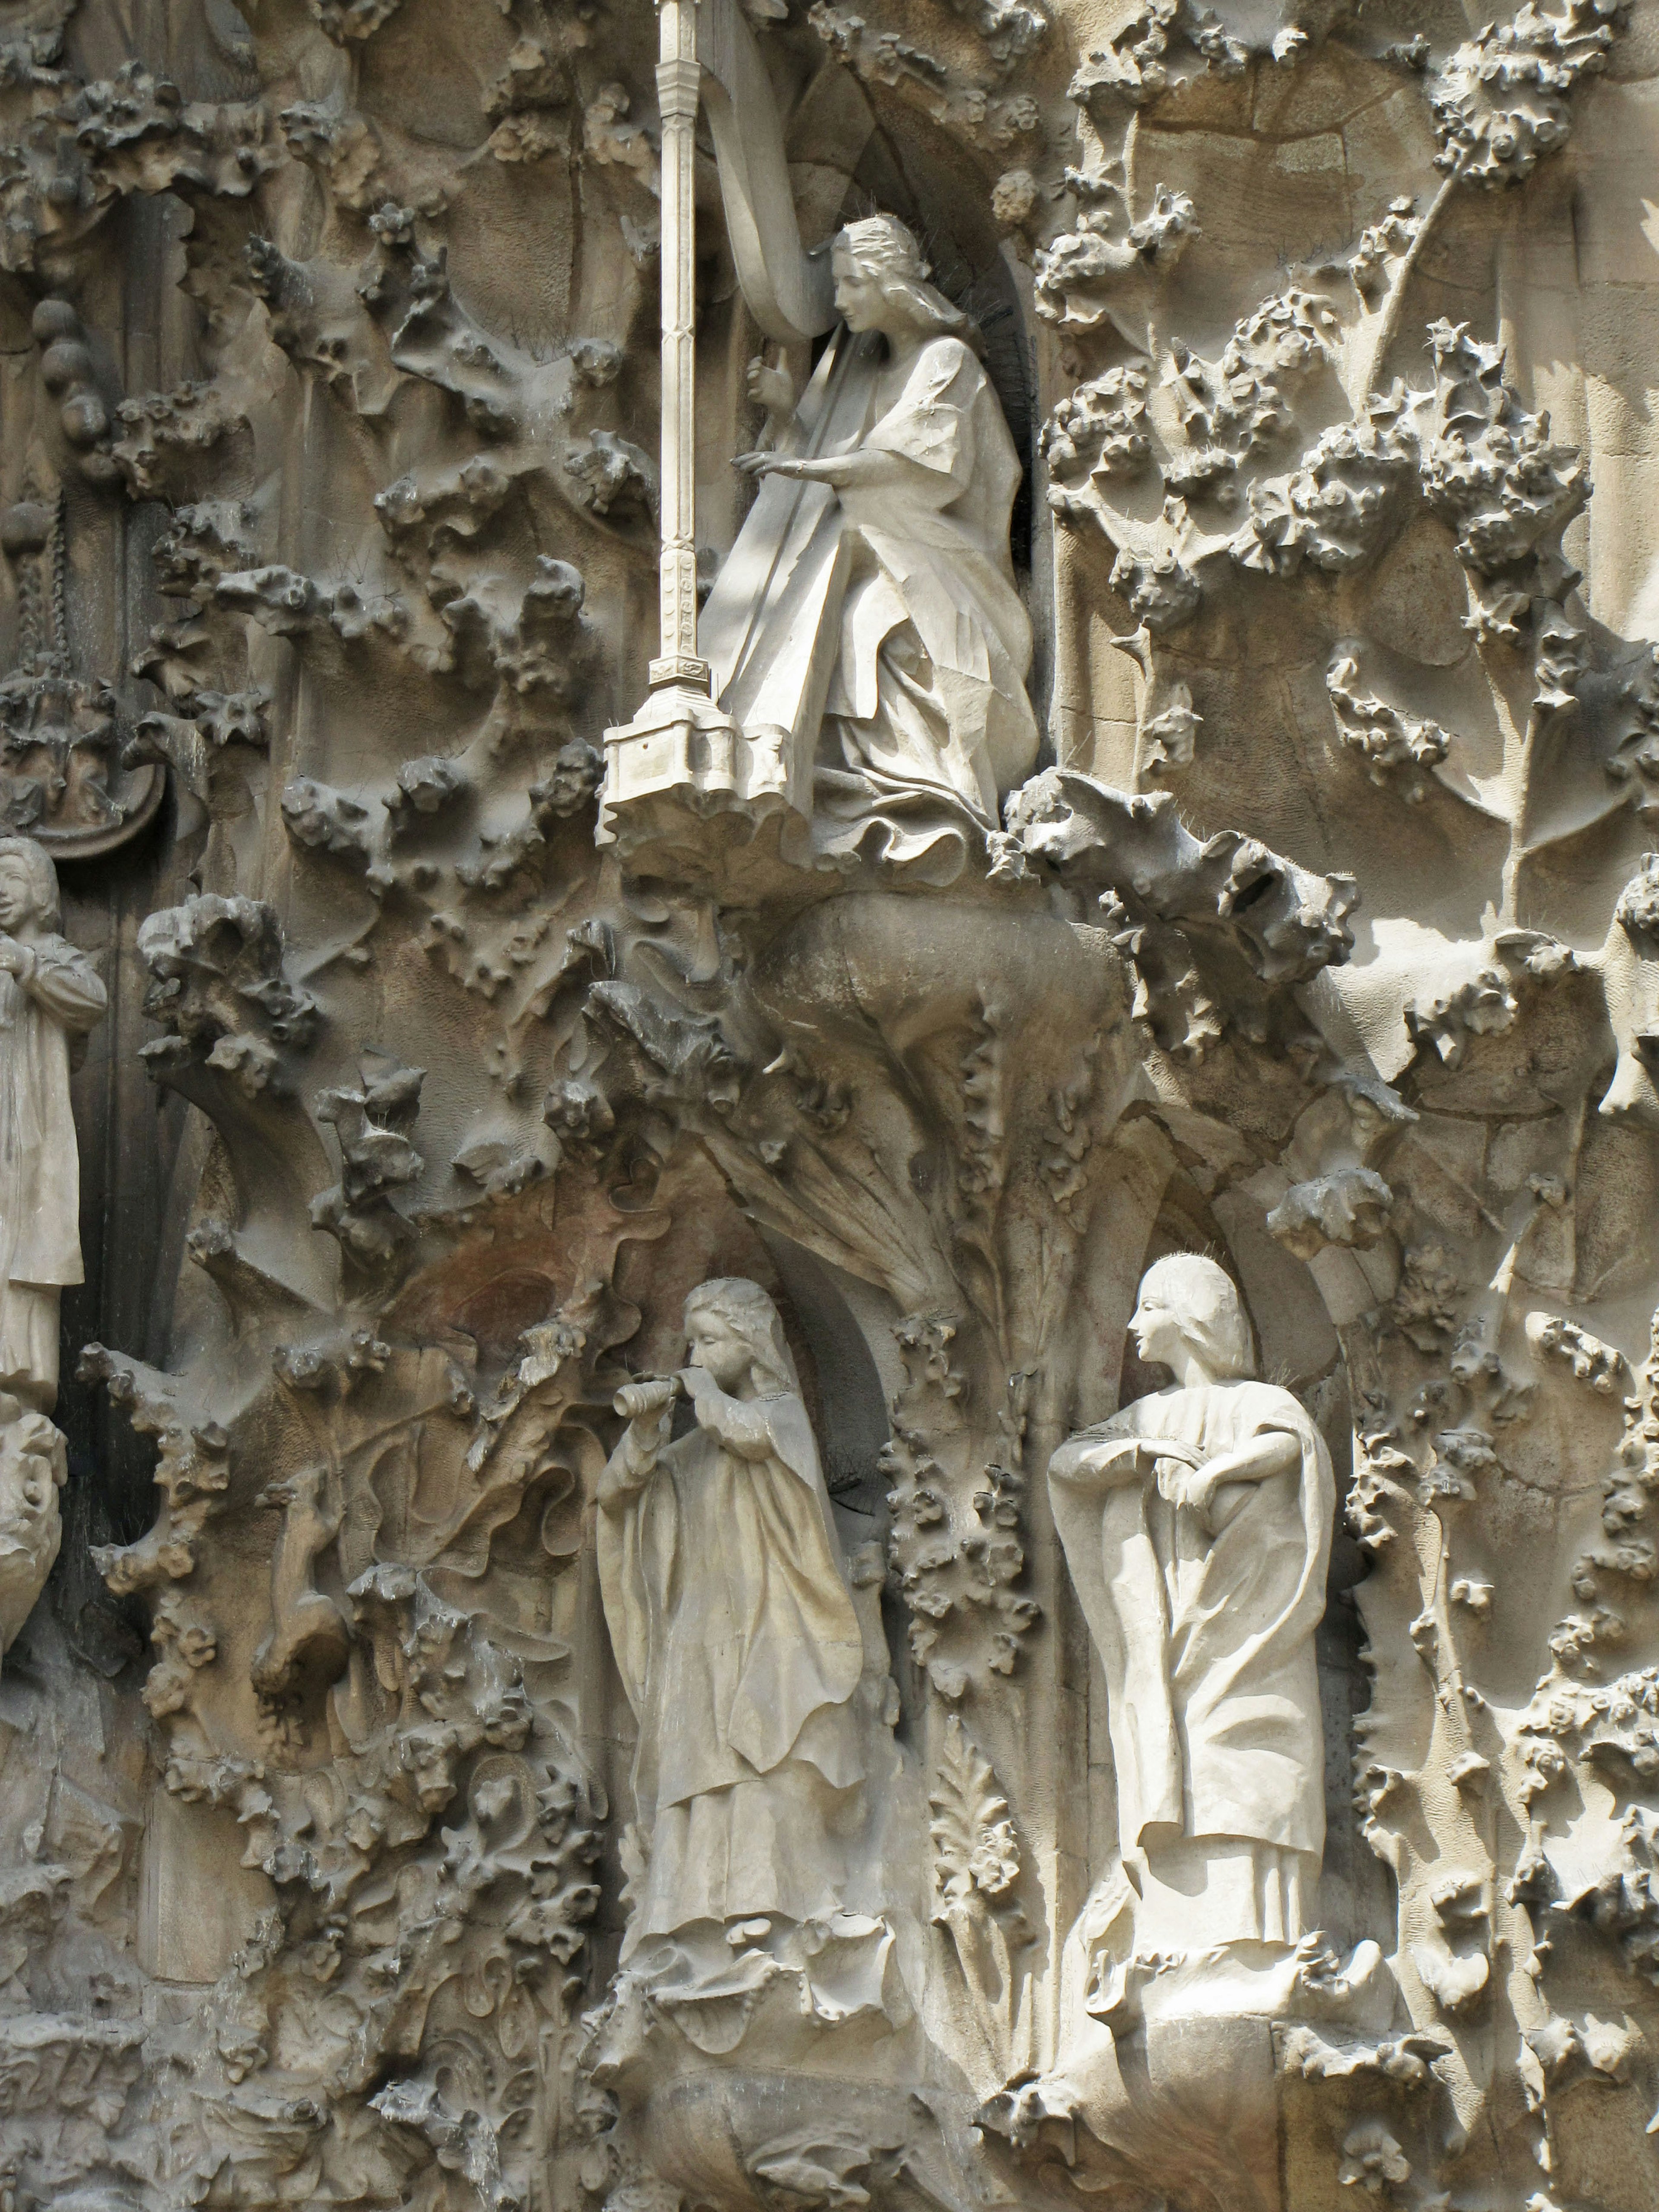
(740, 1651)
(61, 997)
(886, 616)
(1207, 1648)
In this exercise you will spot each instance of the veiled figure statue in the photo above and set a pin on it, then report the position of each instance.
(1197, 1527)
(868, 611)
(735, 1635)
(50, 996)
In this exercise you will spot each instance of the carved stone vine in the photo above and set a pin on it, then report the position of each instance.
(1320, 938)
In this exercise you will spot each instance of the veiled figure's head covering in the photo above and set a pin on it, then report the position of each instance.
(1203, 1301)
(886, 250)
(754, 1321)
(40, 875)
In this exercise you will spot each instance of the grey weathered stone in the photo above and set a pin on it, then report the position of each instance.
(618, 1167)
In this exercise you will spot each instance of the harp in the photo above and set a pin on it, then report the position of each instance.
(789, 292)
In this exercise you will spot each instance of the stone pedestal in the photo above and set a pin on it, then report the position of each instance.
(681, 758)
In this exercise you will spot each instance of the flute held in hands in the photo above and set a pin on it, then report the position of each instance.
(638, 1401)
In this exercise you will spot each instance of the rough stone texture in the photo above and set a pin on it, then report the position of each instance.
(1323, 940)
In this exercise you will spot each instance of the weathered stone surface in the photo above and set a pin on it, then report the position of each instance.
(866, 1405)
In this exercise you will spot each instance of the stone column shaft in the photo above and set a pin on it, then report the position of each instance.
(678, 80)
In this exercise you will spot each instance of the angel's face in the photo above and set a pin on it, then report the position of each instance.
(28, 1478)
(860, 301)
(711, 1345)
(1156, 1333)
(16, 901)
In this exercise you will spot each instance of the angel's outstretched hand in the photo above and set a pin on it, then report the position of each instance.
(767, 464)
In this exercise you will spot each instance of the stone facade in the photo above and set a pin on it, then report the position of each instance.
(825, 867)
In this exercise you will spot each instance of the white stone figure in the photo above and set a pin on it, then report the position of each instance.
(50, 996)
(33, 1467)
(1197, 1527)
(735, 1635)
(867, 613)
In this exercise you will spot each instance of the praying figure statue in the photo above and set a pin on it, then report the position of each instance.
(50, 997)
(868, 612)
(1197, 1526)
(735, 1635)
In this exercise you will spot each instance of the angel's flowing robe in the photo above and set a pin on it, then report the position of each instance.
(740, 1652)
(1206, 1643)
(58, 1000)
(878, 626)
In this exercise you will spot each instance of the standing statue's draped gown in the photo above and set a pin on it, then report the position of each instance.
(740, 1651)
(1207, 1648)
(879, 627)
(61, 997)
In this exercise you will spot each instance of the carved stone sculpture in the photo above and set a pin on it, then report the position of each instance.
(876, 606)
(1223, 1485)
(50, 997)
(33, 1469)
(735, 1635)
(1197, 1527)
(1152, 749)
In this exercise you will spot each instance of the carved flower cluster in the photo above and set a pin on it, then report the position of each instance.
(1501, 100)
(1160, 47)
(1105, 245)
(219, 989)
(1382, 242)
(1492, 470)
(1101, 428)
(1332, 510)
(1395, 747)
(1289, 335)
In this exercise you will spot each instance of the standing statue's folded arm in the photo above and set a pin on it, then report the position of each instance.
(1097, 1460)
(65, 980)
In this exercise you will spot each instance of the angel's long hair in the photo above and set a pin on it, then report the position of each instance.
(886, 250)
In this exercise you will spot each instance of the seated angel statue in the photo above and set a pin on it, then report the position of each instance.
(868, 611)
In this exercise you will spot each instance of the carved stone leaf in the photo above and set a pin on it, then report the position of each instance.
(568, 873)
(974, 1841)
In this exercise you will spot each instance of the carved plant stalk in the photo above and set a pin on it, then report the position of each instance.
(1376, 335)
(977, 1865)
(1467, 1785)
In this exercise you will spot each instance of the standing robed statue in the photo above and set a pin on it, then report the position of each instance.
(50, 997)
(734, 1634)
(1196, 1524)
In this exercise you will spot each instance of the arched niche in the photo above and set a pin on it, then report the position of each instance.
(855, 150)
(841, 1331)
(1297, 1345)
(851, 1404)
